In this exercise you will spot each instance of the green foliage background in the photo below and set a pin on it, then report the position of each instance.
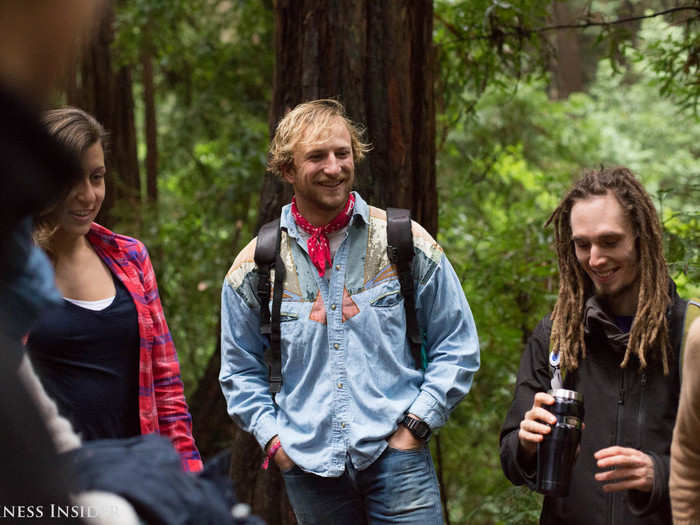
(214, 83)
(502, 170)
(507, 152)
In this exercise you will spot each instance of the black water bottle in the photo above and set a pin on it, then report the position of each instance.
(556, 453)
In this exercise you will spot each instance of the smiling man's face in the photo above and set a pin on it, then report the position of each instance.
(323, 174)
(605, 246)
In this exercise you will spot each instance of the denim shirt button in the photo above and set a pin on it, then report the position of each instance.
(333, 307)
(340, 385)
(337, 267)
(336, 346)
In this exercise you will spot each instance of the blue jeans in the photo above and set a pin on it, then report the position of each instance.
(399, 487)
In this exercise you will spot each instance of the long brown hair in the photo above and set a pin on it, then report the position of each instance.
(76, 131)
(650, 327)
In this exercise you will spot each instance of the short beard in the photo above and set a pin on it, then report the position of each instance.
(607, 298)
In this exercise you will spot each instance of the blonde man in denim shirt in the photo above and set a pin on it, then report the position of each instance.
(348, 428)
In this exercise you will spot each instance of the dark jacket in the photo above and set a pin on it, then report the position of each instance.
(146, 470)
(623, 406)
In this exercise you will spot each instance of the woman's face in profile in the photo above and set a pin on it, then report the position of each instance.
(83, 203)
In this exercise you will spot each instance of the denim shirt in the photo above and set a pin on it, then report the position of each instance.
(27, 287)
(347, 369)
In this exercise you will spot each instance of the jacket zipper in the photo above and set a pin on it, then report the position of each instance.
(641, 413)
(618, 434)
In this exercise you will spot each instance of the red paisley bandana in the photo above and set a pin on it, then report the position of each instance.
(318, 245)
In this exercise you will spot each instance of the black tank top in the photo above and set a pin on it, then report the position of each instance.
(88, 362)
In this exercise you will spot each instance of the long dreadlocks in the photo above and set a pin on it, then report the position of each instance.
(650, 327)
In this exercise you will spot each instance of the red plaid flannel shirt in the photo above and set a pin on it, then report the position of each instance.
(162, 406)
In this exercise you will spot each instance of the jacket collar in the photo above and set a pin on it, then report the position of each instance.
(597, 322)
(102, 237)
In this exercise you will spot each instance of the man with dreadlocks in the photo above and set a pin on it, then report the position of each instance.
(616, 328)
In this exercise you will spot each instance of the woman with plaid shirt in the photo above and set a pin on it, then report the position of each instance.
(105, 354)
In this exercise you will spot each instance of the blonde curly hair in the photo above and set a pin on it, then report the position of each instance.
(308, 123)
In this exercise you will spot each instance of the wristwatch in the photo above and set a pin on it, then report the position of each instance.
(418, 428)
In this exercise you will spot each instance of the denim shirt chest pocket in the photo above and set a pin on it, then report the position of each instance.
(381, 322)
(296, 336)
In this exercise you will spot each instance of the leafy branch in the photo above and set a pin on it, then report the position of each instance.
(590, 21)
(593, 22)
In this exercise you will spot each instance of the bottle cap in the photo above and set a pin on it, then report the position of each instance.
(563, 393)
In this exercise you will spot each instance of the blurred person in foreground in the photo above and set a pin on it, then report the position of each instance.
(616, 329)
(685, 449)
(38, 40)
(104, 353)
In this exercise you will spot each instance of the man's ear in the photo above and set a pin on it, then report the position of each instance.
(288, 173)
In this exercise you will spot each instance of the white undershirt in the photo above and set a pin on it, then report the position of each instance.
(98, 305)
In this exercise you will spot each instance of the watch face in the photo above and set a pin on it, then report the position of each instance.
(422, 430)
(419, 429)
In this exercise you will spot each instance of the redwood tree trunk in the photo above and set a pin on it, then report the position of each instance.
(106, 93)
(377, 59)
(150, 127)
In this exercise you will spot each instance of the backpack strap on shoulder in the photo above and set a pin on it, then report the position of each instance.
(267, 256)
(265, 248)
(692, 312)
(400, 252)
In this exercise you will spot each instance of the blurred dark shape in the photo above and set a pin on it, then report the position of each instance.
(146, 471)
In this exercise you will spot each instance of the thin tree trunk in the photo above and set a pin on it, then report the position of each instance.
(106, 93)
(151, 128)
(211, 425)
(441, 478)
(568, 65)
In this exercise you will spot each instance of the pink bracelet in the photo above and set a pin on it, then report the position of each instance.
(270, 453)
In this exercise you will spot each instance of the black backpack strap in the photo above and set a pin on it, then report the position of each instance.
(265, 249)
(400, 252)
(267, 256)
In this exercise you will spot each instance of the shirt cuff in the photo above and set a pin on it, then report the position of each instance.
(426, 408)
(192, 465)
(527, 468)
(265, 429)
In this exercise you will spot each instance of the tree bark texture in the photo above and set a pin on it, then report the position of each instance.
(377, 59)
(105, 92)
(568, 65)
(211, 426)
